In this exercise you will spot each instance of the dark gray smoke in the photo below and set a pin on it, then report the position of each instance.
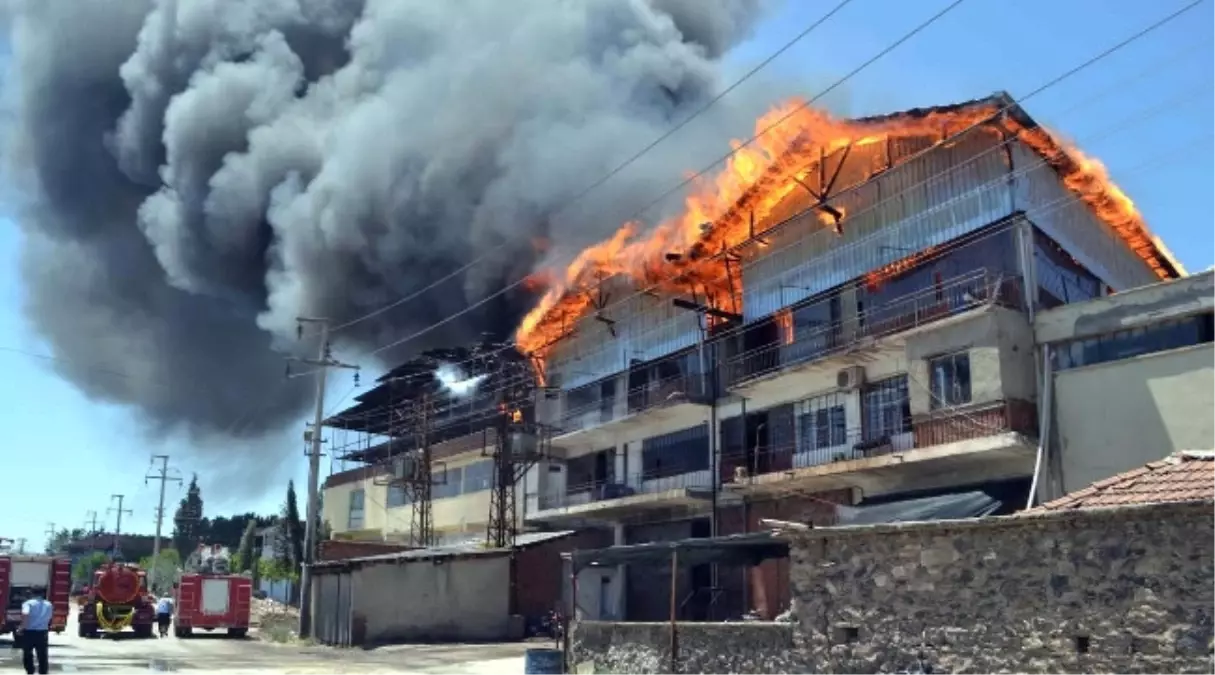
(194, 174)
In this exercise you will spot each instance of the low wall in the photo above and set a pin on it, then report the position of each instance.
(1111, 590)
(614, 647)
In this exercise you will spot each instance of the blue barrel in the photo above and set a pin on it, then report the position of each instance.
(543, 662)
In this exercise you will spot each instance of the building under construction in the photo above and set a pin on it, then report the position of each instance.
(851, 325)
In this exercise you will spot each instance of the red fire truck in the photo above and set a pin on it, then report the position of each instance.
(209, 597)
(22, 575)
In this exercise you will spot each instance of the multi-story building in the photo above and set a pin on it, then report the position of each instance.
(857, 326)
(875, 340)
(1131, 378)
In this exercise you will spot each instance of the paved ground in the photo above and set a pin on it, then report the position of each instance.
(71, 654)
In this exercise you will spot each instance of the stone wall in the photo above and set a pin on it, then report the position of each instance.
(701, 648)
(1125, 590)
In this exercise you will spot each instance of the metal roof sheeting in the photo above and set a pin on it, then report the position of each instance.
(469, 549)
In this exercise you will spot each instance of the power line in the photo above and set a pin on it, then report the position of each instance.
(620, 167)
(1049, 207)
(697, 175)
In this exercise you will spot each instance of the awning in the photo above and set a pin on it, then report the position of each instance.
(740, 549)
(940, 507)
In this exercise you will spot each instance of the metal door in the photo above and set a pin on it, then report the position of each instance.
(344, 602)
(322, 608)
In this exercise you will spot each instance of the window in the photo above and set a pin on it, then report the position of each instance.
(479, 476)
(821, 423)
(398, 495)
(1132, 342)
(354, 517)
(885, 408)
(949, 379)
(676, 453)
(447, 488)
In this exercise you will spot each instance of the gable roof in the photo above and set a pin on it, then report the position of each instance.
(1186, 476)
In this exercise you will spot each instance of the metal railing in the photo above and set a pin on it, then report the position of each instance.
(682, 388)
(627, 486)
(951, 425)
(939, 301)
(951, 297)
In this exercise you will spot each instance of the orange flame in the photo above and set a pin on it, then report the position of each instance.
(680, 255)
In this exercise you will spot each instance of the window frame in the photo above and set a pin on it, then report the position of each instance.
(361, 510)
(946, 367)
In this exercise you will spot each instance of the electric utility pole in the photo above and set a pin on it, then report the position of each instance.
(163, 476)
(118, 525)
(322, 364)
(91, 522)
(50, 537)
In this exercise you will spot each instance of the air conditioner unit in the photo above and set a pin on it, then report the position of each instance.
(850, 377)
(740, 474)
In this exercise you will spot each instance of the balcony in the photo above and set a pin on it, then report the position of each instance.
(949, 298)
(678, 399)
(950, 447)
(603, 501)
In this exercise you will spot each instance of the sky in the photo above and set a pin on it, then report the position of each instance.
(1146, 112)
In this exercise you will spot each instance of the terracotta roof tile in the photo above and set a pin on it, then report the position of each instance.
(1181, 477)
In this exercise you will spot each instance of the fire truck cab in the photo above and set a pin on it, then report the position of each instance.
(22, 575)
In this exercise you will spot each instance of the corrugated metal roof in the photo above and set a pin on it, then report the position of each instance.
(1187, 476)
(467, 549)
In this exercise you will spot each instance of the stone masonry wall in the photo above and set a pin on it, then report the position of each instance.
(1122, 590)
(702, 648)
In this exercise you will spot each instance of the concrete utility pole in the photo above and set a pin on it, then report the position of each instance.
(91, 522)
(163, 476)
(50, 534)
(118, 525)
(322, 364)
(20, 545)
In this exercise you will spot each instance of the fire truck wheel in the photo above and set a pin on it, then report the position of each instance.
(86, 631)
(238, 633)
(182, 632)
(143, 631)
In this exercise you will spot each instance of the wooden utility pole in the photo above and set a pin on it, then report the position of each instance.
(322, 364)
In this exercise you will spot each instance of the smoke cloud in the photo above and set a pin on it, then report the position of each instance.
(190, 176)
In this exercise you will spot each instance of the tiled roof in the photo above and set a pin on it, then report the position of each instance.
(1187, 476)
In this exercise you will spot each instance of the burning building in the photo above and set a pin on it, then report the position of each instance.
(843, 314)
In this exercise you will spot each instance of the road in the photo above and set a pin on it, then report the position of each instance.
(205, 653)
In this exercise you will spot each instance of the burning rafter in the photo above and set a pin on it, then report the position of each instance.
(686, 252)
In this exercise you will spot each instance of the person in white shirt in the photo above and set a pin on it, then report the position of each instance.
(164, 614)
(35, 628)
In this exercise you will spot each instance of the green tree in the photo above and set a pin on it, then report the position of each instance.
(292, 526)
(57, 544)
(243, 562)
(188, 525)
(167, 563)
(277, 569)
(82, 571)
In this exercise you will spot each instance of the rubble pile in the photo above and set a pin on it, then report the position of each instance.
(266, 609)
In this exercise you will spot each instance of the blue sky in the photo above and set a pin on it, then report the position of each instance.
(67, 454)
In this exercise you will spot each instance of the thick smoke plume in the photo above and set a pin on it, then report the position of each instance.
(194, 174)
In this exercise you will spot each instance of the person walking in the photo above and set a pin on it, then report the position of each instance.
(164, 614)
(35, 631)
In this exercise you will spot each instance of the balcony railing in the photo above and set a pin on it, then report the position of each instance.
(938, 428)
(929, 305)
(632, 484)
(682, 388)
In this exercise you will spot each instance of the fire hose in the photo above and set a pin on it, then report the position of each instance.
(122, 619)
